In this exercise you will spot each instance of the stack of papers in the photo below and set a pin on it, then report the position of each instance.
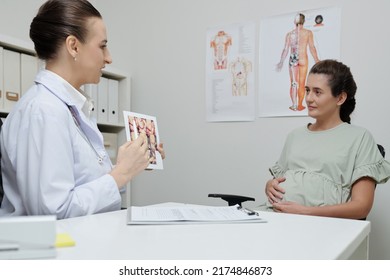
(190, 214)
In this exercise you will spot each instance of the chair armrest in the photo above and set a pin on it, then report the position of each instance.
(232, 199)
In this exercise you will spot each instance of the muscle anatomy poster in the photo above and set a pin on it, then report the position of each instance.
(289, 46)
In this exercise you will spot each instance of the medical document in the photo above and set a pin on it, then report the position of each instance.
(191, 214)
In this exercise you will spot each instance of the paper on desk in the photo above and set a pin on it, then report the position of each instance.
(189, 214)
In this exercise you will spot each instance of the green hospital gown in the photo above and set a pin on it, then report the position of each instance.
(320, 167)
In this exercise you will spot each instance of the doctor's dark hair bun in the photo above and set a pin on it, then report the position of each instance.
(340, 79)
(56, 20)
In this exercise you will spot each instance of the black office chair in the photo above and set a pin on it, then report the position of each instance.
(238, 199)
(382, 150)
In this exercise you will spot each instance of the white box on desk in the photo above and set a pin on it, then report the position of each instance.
(27, 237)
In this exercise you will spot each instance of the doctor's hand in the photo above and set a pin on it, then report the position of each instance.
(133, 157)
(273, 190)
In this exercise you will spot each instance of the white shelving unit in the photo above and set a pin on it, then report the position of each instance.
(113, 131)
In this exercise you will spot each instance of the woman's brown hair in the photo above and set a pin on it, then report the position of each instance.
(56, 20)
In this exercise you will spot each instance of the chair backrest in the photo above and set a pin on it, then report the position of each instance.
(381, 150)
(1, 177)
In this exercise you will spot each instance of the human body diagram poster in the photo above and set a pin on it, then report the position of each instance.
(289, 46)
(230, 93)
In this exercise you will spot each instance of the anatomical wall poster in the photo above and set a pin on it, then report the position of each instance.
(230, 54)
(289, 45)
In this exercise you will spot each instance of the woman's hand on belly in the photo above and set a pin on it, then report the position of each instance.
(290, 207)
(273, 190)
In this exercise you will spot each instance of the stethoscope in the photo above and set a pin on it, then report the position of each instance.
(76, 121)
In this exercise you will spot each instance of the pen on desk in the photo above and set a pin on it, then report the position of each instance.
(248, 211)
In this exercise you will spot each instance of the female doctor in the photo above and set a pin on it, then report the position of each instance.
(53, 157)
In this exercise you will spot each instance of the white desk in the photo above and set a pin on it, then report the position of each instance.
(284, 236)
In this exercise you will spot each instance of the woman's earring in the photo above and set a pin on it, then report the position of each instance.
(75, 58)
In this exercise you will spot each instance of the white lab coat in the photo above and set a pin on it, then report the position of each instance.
(48, 165)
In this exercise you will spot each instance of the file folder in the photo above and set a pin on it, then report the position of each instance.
(11, 78)
(113, 96)
(1, 80)
(28, 71)
(102, 114)
(92, 91)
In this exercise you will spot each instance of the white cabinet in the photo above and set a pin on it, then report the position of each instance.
(117, 84)
(18, 68)
(111, 145)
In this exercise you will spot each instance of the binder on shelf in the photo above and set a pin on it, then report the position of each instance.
(11, 78)
(113, 97)
(92, 91)
(102, 113)
(28, 71)
(1, 79)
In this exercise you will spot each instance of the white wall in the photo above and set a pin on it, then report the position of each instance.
(162, 44)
